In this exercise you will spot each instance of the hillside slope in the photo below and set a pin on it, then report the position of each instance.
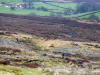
(41, 42)
(46, 26)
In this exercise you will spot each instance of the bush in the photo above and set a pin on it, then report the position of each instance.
(52, 14)
(68, 11)
(12, 8)
(42, 8)
(59, 14)
(93, 17)
(3, 2)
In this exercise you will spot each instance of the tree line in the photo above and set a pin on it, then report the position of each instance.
(87, 7)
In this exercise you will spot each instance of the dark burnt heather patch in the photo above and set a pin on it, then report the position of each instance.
(50, 27)
(5, 33)
(4, 61)
(9, 51)
(96, 46)
(31, 65)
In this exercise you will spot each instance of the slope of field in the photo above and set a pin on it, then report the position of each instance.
(12, 1)
(56, 8)
(12, 70)
(53, 9)
(84, 15)
(23, 11)
(81, 55)
(45, 26)
(41, 42)
(65, 5)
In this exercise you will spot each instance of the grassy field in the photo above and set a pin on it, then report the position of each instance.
(68, 5)
(12, 1)
(12, 70)
(61, 8)
(98, 14)
(3, 9)
(53, 9)
(86, 16)
(83, 15)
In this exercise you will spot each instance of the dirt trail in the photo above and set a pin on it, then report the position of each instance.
(12, 43)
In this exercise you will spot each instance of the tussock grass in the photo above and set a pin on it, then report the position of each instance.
(38, 42)
(41, 43)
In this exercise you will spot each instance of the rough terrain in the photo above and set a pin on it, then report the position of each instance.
(42, 40)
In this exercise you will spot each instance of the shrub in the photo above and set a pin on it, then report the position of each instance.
(42, 8)
(12, 8)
